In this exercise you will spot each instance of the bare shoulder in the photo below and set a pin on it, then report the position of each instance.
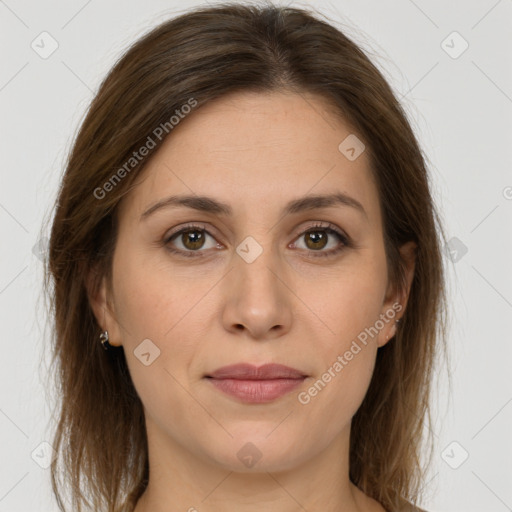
(368, 504)
(409, 507)
(413, 508)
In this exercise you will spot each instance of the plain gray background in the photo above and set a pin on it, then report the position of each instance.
(459, 101)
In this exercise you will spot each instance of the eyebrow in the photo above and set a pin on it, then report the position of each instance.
(211, 205)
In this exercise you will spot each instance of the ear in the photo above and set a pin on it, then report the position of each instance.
(102, 306)
(396, 300)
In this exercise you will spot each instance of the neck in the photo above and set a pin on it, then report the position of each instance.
(188, 482)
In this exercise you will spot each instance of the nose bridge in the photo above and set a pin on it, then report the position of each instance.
(258, 264)
(257, 297)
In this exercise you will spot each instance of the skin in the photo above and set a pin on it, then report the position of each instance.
(254, 152)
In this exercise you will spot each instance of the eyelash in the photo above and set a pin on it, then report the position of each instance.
(329, 228)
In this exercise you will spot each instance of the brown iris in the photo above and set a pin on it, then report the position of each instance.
(318, 239)
(195, 237)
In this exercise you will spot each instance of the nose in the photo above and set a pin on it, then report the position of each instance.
(258, 299)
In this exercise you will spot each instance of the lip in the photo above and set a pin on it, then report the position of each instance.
(253, 384)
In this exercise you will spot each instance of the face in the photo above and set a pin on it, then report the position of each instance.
(257, 282)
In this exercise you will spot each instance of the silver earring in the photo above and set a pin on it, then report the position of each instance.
(104, 340)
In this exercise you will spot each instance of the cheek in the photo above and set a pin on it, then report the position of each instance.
(347, 308)
(153, 314)
(152, 299)
(344, 304)
(157, 311)
(336, 392)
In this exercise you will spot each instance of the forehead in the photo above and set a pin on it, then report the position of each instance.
(257, 149)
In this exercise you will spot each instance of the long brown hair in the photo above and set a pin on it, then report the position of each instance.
(201, 55)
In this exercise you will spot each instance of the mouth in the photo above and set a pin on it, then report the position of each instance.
(251, 384)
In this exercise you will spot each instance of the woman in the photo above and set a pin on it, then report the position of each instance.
(245, 225)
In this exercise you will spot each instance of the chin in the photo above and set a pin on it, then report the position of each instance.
(256, 452)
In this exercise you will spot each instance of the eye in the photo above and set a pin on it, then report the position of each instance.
(318, 236)
(192, 239)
